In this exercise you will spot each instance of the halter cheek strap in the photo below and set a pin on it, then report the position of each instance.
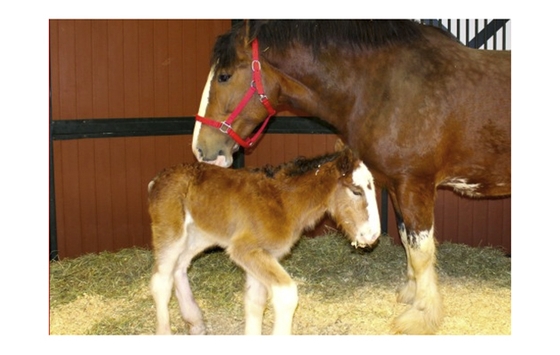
(255, 87)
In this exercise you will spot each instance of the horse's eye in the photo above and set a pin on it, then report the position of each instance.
(222, 78)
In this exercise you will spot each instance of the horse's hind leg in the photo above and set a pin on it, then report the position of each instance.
(421, 290)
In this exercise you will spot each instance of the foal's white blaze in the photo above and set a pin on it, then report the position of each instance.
(201, 112)
(370, 230)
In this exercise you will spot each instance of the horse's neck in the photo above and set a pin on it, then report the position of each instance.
(299, 90)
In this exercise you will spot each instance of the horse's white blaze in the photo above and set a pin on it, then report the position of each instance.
(201, 112)
(371, 230)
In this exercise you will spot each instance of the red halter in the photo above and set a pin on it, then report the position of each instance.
(256, 86)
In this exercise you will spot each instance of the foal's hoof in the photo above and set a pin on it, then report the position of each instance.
(357, 244)
(198, 330)
(418, 320)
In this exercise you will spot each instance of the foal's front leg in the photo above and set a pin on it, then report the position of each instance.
(264, 268)
(255, 302)
(284, 301)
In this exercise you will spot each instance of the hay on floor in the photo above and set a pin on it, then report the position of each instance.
(342, 290)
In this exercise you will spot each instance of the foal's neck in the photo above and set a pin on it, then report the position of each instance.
(311, 192)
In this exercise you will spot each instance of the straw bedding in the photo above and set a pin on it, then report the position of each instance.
(342, 290)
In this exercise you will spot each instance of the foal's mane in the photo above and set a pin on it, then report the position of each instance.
(352, 35)
(297, 167)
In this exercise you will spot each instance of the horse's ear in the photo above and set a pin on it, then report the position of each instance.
(247, 39)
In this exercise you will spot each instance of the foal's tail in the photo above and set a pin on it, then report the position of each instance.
(151, 185)
(172, 183)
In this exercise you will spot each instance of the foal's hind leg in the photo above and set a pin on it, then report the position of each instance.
(266, 269)
(173, 254)
(161, 283)
(190, 311)
(421, 290)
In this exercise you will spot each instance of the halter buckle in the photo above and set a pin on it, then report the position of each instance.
(225, 127)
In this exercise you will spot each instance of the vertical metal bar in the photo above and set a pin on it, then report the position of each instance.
(384, 212)
(484, 29)
(504, 37)
(494, 36)
(238, 159)
(466, 31)
(53, 240)
(476, 42)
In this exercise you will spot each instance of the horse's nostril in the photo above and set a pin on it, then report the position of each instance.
(200, 155)
(221, 152)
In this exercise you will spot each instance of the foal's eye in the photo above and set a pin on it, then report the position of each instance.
(356, 192)
(222, 78)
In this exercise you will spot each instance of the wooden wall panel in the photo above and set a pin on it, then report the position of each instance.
(278, 148)
(101, 189)
(130, 68)
(131, 71)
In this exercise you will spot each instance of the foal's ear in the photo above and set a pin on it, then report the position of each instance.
(339, 145)
(347, 159)
(345, 163)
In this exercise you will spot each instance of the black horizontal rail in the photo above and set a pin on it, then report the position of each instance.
(135, 127)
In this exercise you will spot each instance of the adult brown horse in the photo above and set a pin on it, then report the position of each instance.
(420, 109)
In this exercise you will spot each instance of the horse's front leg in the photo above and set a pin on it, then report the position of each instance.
(421, 289)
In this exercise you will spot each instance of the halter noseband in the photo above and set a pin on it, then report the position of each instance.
(256, 86)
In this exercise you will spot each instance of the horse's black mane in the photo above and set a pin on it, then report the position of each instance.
(348, 34)
(297, 167)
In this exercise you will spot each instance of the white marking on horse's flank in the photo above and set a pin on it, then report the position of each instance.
(461, 185)
(201, 112)
(362, 177)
